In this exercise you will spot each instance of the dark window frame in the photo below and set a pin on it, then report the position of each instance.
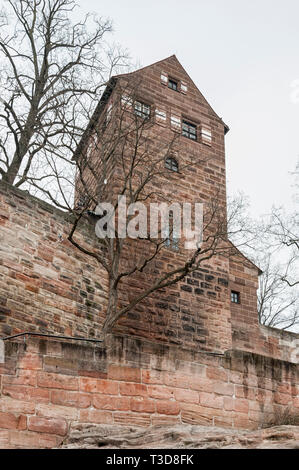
(173, 84)
(140, 112)
(171, 164)
(189, 130)
(235, 297)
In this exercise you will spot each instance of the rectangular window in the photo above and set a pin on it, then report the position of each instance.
(175, 122)
(184, 87)
(172, 84)
(164, 78)
(189, 130)
(160, 115)
(142, 110)
(206, 135)
(235, 297)
(126, 101)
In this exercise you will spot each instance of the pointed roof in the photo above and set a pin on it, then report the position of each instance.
(174, 58)
(111, 85)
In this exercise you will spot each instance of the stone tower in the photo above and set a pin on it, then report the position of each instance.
(187, 138)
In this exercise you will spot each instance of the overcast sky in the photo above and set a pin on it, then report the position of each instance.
(243, 56)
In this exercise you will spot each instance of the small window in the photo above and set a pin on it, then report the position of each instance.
(206, 135)
(175, 122)
(235, 297)
(160, 115)
(126, 101)
(171, 164)
(172, 243)
(184, 87)
(172, 84)
(142, 110)
(189, 130)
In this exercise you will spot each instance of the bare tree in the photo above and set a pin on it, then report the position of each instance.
(52, 73)
(277, 303)
(274, 248)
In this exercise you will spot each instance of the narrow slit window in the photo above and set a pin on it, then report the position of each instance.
(235, 297)
(206, 135)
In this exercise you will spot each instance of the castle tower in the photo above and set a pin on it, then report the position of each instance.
(159, 111)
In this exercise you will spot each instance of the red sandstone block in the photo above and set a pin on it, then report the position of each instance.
(16, 406)
(96, 416)
(12, 421)
(229, 403)
(240, 405)
(202, 384)
(217, 373)
(30, 361)
(108, 402)
(133, 389)
(223, 389)
(165, 420)
(167, 407)
(132, 419)
(242, 421)
(142, 405)
(91, 385)
(223, 421)
(88, 384)
(195, 414)
(57, 411)
(244, 392)
(92, 373)
(284, 388)
(39, 395)
(107, 387)
(9, 368)
(188, 396)
(282, 398)
(124, 373)
(51, 380)
(18, 392)
(66, 398)
(236, 377)
(23, 377)
(47, 425)
(152, 377)
(210, 400)
(159, 392)
(25, 440)
(177, 380)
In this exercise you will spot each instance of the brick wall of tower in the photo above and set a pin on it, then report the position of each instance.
(197, 310)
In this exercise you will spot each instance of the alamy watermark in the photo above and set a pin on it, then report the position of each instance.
(155, 220)
(2, 352)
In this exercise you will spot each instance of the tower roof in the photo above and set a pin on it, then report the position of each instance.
(111, 85)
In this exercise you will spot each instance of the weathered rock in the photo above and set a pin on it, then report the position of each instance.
(88, 436)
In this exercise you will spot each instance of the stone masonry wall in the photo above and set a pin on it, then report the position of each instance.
(46, 284)
(48, 386)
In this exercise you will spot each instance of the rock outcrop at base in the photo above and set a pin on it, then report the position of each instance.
(180, 437)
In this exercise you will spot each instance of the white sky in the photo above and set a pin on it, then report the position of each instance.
(243, 56)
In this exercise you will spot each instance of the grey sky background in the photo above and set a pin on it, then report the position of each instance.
(243, 56)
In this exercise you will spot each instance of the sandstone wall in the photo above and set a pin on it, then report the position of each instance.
(49, 386)
(46, 284)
